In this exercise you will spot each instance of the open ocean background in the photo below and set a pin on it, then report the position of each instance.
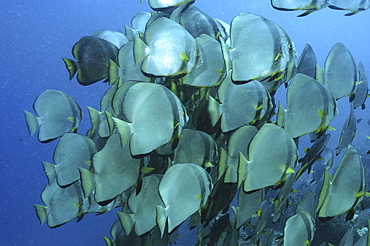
(34, 37)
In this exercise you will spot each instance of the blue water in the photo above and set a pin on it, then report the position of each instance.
(34, 37)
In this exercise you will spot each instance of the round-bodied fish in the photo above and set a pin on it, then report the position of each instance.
(92, 55)
(58, 113)
(154, 116)
(184, 188)
(169, 50)
(340, 71)
(239, 104)
(259, 48)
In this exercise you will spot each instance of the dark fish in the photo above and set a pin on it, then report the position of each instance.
(92, 55)
(307, 64)
(313, 154)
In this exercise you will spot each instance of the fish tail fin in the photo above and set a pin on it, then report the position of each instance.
(242, 168)
(124, 130)
(108, 241)
(94, 118)
(139, 50)
(214, 110)
(127, 221)
(71, 66)
(323, 116)
(237, 213)
(41, 212)
(280, 115)
(225, 53)
(320, 74)
(32, 122)
(49, 170)
(110, 122)
(114, 72)
(161, 218)
(129, 32)
(324, 191)
(87, 181)
(230, 175)
(222, 164)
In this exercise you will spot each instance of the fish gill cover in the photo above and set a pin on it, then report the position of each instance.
(190, 130)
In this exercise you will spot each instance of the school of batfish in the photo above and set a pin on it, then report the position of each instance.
(189, 125)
